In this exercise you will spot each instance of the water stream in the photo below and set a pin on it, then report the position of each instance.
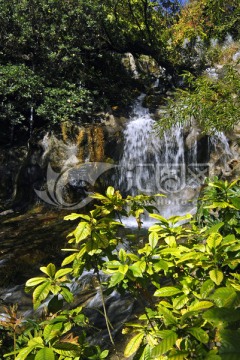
(152, 165)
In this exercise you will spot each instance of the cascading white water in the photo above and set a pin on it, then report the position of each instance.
(151, 164)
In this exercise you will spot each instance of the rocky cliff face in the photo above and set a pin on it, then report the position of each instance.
(24, 169)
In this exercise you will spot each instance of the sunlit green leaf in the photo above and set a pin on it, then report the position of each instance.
(199, 334)
(45, 354)
(133, 345)
(122, 255)
(49, 270)
(35, 281)
(201, 305)
(206, 288)
(214, 240)
(216, 276)
(82, 231)
(167, 291)
(116, 278)
(224, 297)
(40, 293)
(153, 239)
(66, 293)
(60, 273)
(179, 302)
(165, 345)
(110, 191)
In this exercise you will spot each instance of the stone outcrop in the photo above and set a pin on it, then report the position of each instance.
(24, 169)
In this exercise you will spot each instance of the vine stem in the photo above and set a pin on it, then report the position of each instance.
(104, 309)
(14, 343)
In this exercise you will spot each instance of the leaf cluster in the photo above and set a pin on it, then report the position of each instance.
(185, 276)
(212, 103)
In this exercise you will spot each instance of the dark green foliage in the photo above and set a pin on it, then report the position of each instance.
(61, 59)
(212, 103)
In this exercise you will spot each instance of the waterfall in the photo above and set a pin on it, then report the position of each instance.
(152, 165)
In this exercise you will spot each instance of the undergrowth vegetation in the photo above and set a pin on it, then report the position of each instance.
(186, 273)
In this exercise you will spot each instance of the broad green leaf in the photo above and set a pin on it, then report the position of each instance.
(236, 276)
(55, 289)
(220, 315)
(49, 270)
(101, 240)
(167, 291)
(233, 248)
(138, 268)
(122, 255)
(219, 204)
(155, 228)
(45, 354)
(236, 202)
(165, 345)
(160, 265)
(176, 219)
(193, 255)
(37, 342)
(60, 273)
(151, 340)
(201, 305)
(40, 293)
(179, 302)
(73, 216)
(171, 251)
(69, 259)
(110, 191)
(228, 240)
(133, 345)
(216, 276)
(66, 293)
(206, 288)
(35, 281)
(114, 264)
(104, 354)
(214, 240)
(178, 355)
(116, 278)
(215, 228)
(82, 231)
(168, 317)
(123, 269)
(146, 354)
(51, 331)
(67, 349)
(153, 239)
(159, 217)
(171, 241)
(199, 334)
(224, 297)
(23, 353)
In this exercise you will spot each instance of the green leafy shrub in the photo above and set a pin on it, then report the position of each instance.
(185, 275)
(212, 103)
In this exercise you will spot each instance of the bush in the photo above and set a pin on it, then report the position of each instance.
(195, 314)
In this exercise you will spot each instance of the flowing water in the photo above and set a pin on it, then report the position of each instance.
(152, 165)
